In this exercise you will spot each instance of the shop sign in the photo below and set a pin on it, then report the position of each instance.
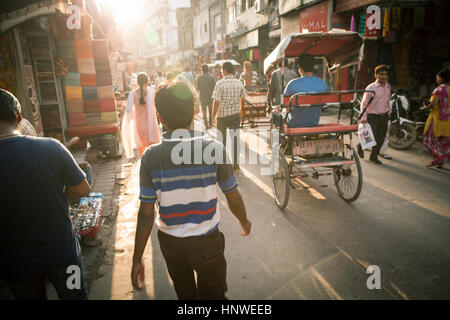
(340, 20)
(74, 19)
(315, 18)
(373, 22)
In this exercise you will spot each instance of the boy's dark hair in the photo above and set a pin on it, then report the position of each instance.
(205, 68)
(175, 105)
(445, 75)
(9, 106)
(228, 67)
(381, 67)
(306, 62)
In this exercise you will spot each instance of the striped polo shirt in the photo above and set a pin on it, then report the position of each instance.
(186, 193)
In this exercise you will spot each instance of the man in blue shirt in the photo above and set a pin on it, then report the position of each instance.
(308, 82)
(37, 239)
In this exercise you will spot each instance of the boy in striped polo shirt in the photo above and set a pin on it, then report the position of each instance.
(188, 216)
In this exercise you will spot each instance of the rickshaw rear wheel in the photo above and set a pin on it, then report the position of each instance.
(281, 183)
(348, 178)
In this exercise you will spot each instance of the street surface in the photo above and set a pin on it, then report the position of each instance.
(317, 248)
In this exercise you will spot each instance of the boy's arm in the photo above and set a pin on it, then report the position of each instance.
(237, 207)
(144, 227)
(229, 186)
(145, 220)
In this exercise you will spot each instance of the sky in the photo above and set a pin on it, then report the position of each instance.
(126, 12)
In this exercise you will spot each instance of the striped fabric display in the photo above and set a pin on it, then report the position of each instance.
(74, 93)
(90, 93)
(100, 49)
(104, 79)
(93, 118)
(91, 106)
(108, 117)
(72, 64)
(186, 193)
(107, 105)
(84, 49)
(85, 32)
(105, 92)
(72, 79)
(77, 118)
(86, 66)
(88, 80)
(102, 67)
(66, 49)
(74, 106)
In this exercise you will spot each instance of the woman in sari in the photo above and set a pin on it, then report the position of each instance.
(437, 127)
(139, 126)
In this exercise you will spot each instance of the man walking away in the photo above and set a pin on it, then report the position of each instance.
(188, 218)
(275, 85)
(205, 85)
(378, 111)
(229, 99)
(188, 74)
(37, 239)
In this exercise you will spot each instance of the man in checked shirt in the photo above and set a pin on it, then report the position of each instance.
(229, 94)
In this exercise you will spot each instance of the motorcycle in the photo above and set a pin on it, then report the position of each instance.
(407, 121)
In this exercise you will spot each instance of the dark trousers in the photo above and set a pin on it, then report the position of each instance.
(379, 125)
(202, 254)
(231, 122)
(207, 109)
(34, 289)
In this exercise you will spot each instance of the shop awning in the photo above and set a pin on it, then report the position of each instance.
(337, 46)
(13, 13)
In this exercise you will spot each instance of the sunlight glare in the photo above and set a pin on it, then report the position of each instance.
(126, 12)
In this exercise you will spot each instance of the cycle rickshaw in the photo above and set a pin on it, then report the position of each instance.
(319, 150)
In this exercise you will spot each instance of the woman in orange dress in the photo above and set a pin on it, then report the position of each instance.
(140, 127)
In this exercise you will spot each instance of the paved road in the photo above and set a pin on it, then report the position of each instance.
(320, 246)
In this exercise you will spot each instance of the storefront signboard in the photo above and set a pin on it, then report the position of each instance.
(314, 18)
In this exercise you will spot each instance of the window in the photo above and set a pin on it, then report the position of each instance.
(205, 28)
(250, 3)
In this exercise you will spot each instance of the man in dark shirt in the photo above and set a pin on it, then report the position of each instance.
(37, 239)
(205, 84)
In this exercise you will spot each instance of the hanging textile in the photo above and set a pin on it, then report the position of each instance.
(362, 24)
(353, 24)
(256, 54)
(386, 22)
(396, 18)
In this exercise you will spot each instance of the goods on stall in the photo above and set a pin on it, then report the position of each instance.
(86, 215)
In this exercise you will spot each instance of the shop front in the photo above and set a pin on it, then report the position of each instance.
(409, 36)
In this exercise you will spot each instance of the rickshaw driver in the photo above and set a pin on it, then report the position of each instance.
(307, 82)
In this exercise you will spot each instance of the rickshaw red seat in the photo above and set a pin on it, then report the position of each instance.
(322, 129)
(92, 129)
(319, 99)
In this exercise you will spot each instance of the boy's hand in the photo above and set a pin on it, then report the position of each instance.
(138, 275)
(246, 227)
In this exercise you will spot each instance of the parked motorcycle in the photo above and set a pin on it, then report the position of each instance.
(407, 121)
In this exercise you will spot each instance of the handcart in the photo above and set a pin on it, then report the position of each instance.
(317, 150)
(256, 109)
